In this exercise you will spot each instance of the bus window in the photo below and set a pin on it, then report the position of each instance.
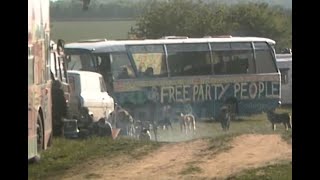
(233, 58)
(264, 58)
(121, 66)
(81, 62)
(189, 59)
(149, 60)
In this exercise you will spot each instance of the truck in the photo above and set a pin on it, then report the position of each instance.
(43, 79)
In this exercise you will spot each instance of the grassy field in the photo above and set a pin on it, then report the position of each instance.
(78, 30)
(67, 153)
(281, 171)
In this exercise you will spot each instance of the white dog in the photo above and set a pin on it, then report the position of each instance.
(187, 123)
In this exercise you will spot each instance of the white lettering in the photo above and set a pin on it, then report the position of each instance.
(244, 90)
(275, 89)
(178, 93)
(253, 90)
(237, 89)
(195, 92)
(185, 92)
(208, 92)
(163, 93)
(261, 88)
(200, 94)
(224, 89)
(171, 94)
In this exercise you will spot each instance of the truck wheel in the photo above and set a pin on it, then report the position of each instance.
(40, 138)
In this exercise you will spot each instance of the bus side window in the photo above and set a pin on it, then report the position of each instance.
(265, 62)
(121, 67)
(233, 58)
(189, 59)
(221, 60)
(149, 60)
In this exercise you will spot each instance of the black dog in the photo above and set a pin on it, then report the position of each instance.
(224, 118)
(145, 135)
(275, 118)
(165, 123)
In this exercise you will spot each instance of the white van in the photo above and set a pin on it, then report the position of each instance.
(284, 63)
(88, 91)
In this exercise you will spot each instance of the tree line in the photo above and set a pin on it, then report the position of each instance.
(186, 18)
(193, 18)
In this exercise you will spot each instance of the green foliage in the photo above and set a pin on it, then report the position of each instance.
(193, 18)
(198, 19)
(72, 31)
(261, 20)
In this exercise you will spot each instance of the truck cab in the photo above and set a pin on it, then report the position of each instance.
(88, 97)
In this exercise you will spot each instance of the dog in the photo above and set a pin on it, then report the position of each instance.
(165, 123)
(145, 135)
(278, 118)
(225, 118)
(142, 130)
(187, 123)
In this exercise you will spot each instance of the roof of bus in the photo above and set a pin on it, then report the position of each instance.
(119, 45)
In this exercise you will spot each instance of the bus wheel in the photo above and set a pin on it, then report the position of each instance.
(40, 140)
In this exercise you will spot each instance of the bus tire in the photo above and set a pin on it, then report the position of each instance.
(40, 134)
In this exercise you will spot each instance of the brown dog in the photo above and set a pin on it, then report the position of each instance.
(187, 123)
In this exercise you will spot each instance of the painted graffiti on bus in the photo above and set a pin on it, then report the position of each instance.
(207, 92)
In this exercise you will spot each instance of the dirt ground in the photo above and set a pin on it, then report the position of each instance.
(190, 160)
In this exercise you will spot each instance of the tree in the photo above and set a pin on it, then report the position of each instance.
(255, 19)
(198, 19)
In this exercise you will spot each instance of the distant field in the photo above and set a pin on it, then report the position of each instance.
(77, 30)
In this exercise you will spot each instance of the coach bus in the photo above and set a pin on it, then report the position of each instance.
(190, 75)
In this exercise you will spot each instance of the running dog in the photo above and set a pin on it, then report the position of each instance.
(187, 123)
(278, 118)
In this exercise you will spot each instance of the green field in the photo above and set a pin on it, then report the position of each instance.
(78, 30)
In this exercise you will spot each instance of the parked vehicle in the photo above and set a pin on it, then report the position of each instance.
(284, 63)
(89, 100)
(192, 75)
